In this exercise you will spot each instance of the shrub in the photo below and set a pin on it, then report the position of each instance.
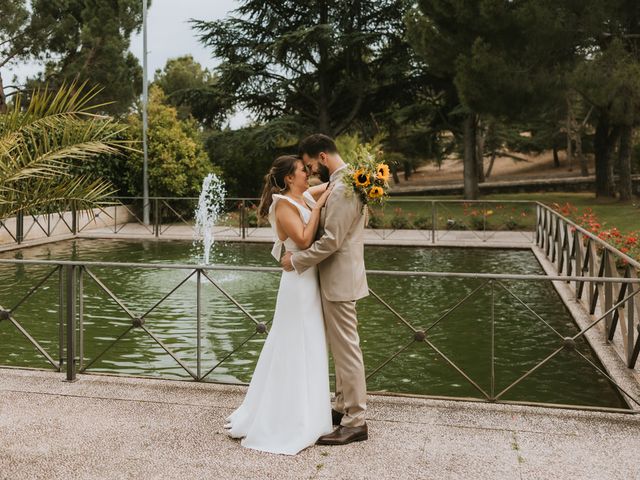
(423, 222)
(479, 223)
(512, 224)
(375, 220)
(252, 217)
(453, 224)
(400, 222)
(177, 159)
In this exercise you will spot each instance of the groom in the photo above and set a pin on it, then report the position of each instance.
(339, 254)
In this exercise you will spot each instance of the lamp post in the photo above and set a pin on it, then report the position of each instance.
(145, 100)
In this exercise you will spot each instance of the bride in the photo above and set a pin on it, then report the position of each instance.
(287, 406)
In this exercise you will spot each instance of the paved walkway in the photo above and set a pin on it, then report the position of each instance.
(112, 427)
(414, 238)
(381, 237)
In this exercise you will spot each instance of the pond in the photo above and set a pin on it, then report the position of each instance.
(464, 335)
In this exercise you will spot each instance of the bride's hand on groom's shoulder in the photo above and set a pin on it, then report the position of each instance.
(286, 263)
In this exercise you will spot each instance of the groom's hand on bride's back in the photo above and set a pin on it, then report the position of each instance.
(285, 261)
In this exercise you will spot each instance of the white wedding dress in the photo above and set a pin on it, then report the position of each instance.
(287, 406)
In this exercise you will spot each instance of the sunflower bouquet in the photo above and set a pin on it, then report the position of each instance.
(367, 175)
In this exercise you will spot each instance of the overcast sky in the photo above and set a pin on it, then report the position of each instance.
(169, 36)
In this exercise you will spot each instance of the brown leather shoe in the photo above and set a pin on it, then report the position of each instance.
(336, 417)
(344, 435)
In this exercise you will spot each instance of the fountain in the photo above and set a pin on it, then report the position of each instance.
(210, 206)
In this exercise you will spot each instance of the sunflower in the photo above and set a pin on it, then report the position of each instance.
(382, 171)
(376, 192)
(361, 178)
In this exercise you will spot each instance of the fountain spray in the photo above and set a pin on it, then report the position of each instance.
(210, 206)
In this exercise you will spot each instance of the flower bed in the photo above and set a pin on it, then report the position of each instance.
(627, 242)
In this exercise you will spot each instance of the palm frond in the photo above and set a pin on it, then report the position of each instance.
(85, 192)
(42, 142)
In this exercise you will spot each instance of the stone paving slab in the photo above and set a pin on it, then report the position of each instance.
(119, 428)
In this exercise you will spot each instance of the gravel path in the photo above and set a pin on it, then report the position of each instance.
(114, 427)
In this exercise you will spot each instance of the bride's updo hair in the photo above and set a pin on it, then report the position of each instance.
(274, 181)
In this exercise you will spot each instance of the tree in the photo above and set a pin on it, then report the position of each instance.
(320, 64)
(442, 32)
(177, 159)
(245, 155)
(21, 36)
(42, 141)
(506, 60)
(89, 40)
(610, 82)
(193, 91)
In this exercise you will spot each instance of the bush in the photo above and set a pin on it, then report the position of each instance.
(375, 220)
(453, 224)
(512, 224)
(245, 155)
(423, 222)
(177, 159)
(479, 223)
(399, 221)
(252, 217)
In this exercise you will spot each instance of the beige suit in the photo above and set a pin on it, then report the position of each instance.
(339, 254)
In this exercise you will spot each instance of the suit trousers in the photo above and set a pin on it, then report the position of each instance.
(341, 324)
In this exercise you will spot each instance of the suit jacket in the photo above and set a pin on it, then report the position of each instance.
(339, 250)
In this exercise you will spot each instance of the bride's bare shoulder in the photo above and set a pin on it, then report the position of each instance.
(285, 207)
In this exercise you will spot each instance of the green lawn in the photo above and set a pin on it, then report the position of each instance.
(624, 215)
(417, 212)
(613, 213)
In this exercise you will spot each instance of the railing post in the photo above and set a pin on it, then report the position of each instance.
(538, 225)
(484, 222)
(493, 343)
(198, 325)
(609, 272)
(546, 232)
(71, 322)
(61, 315)
(579, 262)
(633, 325)
(434, 219)
(80, 317)
(243, 223)
(156, 216)
(20, 226)
(74, 218)
(115, 219)
(557, 248)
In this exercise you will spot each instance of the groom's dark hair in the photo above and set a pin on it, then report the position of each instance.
(316, 143)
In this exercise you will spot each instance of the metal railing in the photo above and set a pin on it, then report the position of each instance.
(435, 220)
(473, 220)
(72, 276)
(577, 252)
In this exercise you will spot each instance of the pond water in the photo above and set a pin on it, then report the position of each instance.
(521, 339)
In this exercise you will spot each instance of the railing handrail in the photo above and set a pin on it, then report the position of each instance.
(180, 198)
(591, 236)
(395, 273)
(392, 198)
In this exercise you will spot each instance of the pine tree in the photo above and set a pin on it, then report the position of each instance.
(89, 40)
(325, 65)
(22, 36)
(193, 91)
